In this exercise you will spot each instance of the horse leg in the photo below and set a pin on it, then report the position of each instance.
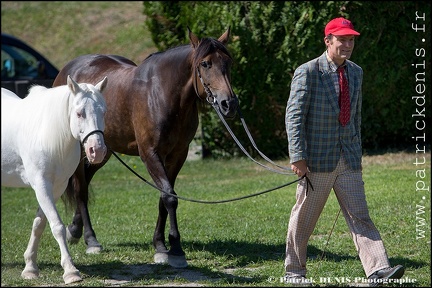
(47, 204)
(75, 230)
(175, 257)
(167, 207)
(81, 220)
(31, 270)
(161, 255)
(93, 246)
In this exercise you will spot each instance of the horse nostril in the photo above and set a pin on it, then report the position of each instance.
(224, 105)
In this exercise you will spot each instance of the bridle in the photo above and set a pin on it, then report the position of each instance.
(210, 98)
(88, 135)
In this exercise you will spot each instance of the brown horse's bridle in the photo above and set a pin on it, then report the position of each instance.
(210, 98)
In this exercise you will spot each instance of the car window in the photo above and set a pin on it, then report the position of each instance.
(17, 63)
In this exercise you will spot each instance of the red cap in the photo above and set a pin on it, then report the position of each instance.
(340, 26)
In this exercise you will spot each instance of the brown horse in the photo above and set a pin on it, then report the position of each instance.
(153, 113)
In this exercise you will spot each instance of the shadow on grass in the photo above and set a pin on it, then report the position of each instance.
(116, 272)
(245, 253)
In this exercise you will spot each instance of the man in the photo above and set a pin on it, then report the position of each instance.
(325, 145)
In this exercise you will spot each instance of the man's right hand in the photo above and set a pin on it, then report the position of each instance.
(299, 168)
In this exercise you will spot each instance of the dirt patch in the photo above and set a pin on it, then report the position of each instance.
(192, 277)
(188, 278)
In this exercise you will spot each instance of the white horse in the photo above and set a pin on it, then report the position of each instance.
(41, 137)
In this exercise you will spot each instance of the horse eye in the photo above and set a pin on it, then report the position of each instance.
(205, 64)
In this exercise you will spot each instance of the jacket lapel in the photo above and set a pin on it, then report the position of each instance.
(328, 83)
(352, 79)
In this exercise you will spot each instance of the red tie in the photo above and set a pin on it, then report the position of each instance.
(344, 99)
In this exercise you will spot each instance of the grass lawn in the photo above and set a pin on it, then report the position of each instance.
(239, 243)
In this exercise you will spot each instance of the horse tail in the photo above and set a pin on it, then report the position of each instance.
(68, 197)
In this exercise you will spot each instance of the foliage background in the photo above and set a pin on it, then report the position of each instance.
(270, 39)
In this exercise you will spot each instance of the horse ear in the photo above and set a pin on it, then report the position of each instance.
(225, 36)
(73, 86)
(193, 38)
(102, 84)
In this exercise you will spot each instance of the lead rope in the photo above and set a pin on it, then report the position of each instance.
(331, 231)
(203, 201)
(212, 100)
(241, 146)
(253, 142)
(308, 182)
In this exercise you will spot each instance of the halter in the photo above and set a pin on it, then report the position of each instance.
(210, 98)
(88, 135)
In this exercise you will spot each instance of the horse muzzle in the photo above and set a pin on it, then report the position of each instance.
(228, 108)
(95, 155)
(94, 147)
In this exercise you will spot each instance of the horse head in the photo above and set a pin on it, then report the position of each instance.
(212, 68)
(87, 118)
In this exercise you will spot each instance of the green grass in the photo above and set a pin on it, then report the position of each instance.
(246, 235)
(63, 30)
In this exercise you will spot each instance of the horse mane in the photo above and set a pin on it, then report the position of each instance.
(48, 125)
(208, 46)
(205, 47)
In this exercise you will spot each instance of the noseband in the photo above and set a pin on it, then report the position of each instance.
(88, 135)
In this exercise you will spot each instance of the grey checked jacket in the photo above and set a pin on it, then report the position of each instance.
(311, 119)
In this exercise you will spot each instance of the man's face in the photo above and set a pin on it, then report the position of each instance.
(340, 47)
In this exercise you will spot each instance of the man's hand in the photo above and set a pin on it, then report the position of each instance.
(299, 168)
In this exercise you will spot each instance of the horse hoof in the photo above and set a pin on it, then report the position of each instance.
(177, 261)
(94, 249)
(161, 258)
(70, 238)
(72, 277)
(30, 274)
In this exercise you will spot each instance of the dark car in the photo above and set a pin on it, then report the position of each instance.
(22, 66)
